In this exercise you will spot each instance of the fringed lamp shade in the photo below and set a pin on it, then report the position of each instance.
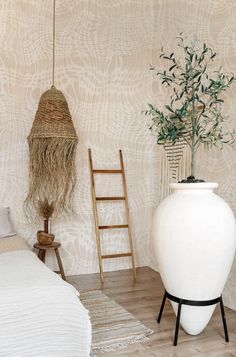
(52, 148)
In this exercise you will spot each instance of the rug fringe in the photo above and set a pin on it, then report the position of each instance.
(120, 345)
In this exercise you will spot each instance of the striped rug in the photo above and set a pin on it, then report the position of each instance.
(113, 326)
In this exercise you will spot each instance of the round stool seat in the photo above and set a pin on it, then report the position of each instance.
(53, 245)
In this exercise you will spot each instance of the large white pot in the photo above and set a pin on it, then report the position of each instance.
(194, 241)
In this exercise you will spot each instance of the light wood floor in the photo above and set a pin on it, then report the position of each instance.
(143, 300)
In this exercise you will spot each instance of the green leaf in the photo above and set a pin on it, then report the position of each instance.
(169, 108)
(196, 74)
(172, 67)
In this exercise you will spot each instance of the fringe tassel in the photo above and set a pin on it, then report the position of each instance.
(120, 345)
(52, 174)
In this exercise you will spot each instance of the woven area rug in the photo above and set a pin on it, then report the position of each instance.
(113, 326)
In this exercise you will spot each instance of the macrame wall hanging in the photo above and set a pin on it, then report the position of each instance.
(175, 165)
(52, 148)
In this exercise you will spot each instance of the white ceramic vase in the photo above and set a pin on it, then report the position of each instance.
(194, 241)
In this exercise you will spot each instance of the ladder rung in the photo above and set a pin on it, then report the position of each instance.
(110, 198)
(114, 227)
(119, 255)
(107, 171)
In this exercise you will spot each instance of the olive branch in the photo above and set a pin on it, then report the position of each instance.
(194, 112)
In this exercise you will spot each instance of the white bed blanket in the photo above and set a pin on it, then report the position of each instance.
(40, 314)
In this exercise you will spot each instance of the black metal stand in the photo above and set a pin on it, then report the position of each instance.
(192, 303)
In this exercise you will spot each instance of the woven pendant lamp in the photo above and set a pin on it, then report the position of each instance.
(52, 148)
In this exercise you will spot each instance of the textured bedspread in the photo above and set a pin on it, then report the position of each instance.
(40, 314)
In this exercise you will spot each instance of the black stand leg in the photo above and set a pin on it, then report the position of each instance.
(224, 320)
(181, 302)
(177, 324)
(162, 308)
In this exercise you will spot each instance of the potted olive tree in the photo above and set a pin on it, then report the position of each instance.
(194, 229)
(194, 109)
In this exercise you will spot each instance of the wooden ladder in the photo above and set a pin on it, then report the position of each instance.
(95, 212)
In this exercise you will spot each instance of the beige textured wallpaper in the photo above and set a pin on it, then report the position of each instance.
(103, 52)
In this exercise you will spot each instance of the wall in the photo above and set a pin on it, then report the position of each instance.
(104, 49)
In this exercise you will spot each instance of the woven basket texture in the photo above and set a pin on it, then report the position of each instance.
(53, 117)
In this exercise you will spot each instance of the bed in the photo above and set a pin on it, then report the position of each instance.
(40, 314)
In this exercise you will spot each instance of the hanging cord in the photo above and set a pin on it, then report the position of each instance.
(53, 41)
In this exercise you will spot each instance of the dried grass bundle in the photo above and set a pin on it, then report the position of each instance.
(52, 148)
(46, 209)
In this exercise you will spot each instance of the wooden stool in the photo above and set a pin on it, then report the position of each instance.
(42, 255)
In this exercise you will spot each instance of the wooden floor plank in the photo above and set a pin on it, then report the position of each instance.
(143, 298)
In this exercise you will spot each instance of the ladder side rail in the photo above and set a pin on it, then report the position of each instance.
(95, 213)
(128, 214)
